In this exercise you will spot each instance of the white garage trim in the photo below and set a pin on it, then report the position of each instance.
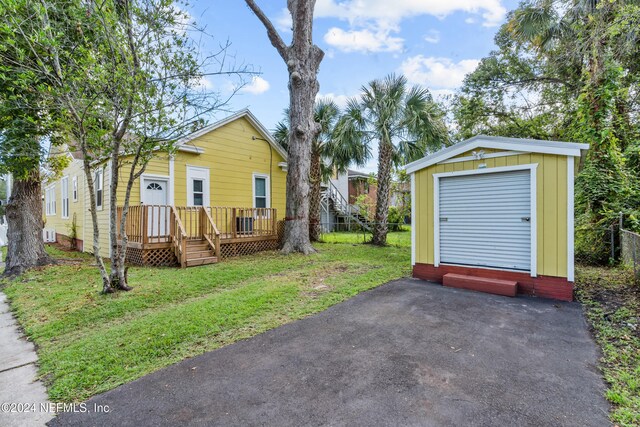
(413, 219)
(498, 143)
(484, 156)
(534, 220)
(570, 220)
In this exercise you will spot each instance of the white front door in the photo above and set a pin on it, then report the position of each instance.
(155, 196)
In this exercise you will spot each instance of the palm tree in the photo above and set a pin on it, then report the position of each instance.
(405, 121)
(328, 156)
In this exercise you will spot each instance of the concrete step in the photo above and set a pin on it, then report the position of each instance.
(201, 261)
(507, 288)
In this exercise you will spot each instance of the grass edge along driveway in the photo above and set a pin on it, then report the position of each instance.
(89, 343)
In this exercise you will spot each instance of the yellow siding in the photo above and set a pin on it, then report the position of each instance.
(63, 225)
(232, 158)
(231, 155)
(551, 200)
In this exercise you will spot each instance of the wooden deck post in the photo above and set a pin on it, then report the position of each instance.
(234, 223)
(274, 225)
(145, 220)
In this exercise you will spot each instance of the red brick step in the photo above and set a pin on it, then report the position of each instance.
(481, 284)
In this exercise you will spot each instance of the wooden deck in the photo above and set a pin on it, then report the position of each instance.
(186, 236)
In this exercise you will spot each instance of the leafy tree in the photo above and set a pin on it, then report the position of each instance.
(329, 155)
(302, 59)
(404, 121)
(26, 117)
(567, 70)
(124, 78)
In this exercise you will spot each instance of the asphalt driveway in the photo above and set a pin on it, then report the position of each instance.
(406, 353)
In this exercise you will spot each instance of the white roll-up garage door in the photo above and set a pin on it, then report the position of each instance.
(485, 220)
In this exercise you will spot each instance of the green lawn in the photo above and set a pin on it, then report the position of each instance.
(612, 305)
(89, 343)
(399, 238)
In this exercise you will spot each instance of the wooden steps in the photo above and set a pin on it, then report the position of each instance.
(507, 288)
(200, 253)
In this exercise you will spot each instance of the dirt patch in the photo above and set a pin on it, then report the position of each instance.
(315, 281)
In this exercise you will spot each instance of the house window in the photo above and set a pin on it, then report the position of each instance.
(50, 200)
(99, 188)
(74, 182)
(64, 192)
(198, 186)
(260, 191)
(198, 192)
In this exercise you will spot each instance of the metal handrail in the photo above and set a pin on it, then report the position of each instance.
(341, 204)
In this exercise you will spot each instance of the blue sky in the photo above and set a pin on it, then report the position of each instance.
(433, 42)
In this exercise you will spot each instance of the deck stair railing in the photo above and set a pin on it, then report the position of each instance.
(333, 199)
(179, 237)
(209, 231)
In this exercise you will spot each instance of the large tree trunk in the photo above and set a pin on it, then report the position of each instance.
(380, 226)
(25, 247)
(315, 179)
(303, 59)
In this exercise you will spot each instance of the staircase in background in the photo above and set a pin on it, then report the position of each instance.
(333, 201)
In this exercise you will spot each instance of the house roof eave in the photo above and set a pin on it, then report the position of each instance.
(498, 142)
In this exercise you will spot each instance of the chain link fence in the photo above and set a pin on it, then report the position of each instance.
(358, 233)
(630, 251)
(597, 245)
(610, 245)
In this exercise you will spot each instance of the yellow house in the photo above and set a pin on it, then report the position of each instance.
(496, 214)
(220, 194)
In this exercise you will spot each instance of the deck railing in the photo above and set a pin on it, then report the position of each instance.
(238, 223)
(178, 237)
(159, 223)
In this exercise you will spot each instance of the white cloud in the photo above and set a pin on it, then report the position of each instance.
(204, 83)
(470, 20)
(340, 100)
(257, 86)
(364, 40)
(284, 22)
(437, 73)
(358, 12)
(433, 36)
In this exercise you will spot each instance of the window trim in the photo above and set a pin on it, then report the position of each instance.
(201, 173)
(267, 191)
(100, 188)
(50, 200)
(74, 189)
(63, 180)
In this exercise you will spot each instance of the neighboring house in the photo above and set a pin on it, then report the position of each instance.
(361, 185)
(221, 194)
(499, 209)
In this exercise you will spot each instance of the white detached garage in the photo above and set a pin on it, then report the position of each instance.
(490, 210)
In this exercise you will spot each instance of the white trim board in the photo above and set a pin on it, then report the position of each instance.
(413, 219)
(532, 167)
(485, 156)
(495, 142)
(172, 180)
(570, 220)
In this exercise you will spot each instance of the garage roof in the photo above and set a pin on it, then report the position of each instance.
(501, 143)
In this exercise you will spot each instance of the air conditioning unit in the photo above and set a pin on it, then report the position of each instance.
(49, 235)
